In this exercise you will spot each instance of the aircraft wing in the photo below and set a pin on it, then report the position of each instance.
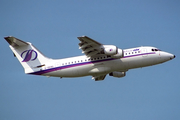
(89, 46)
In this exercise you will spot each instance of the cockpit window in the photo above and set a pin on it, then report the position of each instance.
(155, 49)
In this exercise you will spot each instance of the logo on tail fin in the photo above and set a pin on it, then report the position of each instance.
(29, 55)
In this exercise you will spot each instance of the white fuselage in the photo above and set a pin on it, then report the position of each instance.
(103, 64)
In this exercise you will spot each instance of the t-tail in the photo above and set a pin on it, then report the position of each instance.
(30, 58)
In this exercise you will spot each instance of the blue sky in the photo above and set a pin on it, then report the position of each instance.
(53, 27)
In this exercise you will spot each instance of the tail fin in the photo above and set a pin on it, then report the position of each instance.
(30, 58)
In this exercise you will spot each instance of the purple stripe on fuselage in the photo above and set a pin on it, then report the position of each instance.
(80, 64)
(68, 66)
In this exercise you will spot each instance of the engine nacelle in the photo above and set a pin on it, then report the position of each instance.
(113, 51)
(117, 74)
(110, 50)
(120, 54)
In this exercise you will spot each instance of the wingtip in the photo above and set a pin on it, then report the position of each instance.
(82, 36)
(8, 37)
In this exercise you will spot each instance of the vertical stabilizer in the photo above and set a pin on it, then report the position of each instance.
(30, 58)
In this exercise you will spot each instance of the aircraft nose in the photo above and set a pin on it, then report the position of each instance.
(172, 57)
(165, 56)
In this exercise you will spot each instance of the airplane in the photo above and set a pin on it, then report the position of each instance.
(98, 61)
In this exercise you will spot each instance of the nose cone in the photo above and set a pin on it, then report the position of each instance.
(165, 56)
(172, 57)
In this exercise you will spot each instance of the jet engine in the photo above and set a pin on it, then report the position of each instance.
(117, 74)
(110, 50)
(113, 51)
(120, 54)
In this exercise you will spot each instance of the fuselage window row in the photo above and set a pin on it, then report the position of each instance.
(92, 59)
(132, 53)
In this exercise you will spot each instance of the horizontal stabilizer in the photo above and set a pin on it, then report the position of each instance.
(14, 42)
